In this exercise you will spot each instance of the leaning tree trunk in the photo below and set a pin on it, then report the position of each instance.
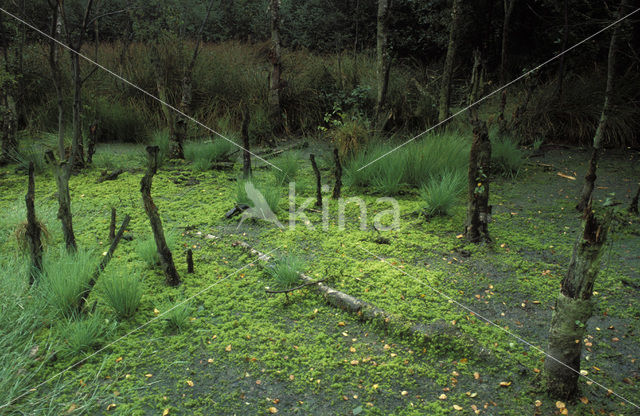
(275, 84)
(383, 62)
(34, 230)
(478, 210)
(574, 308)
(508, 10)
(590, 177)
(62, 174)
(447, 72)
(166, 258)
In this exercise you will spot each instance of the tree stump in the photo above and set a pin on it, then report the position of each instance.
(574, 308)
(316, 171)
(63, 173)
(33, 231)
(478, 215)
(166, 258)
(338, 186)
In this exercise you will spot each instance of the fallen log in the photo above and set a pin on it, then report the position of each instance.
(366, 311)
(106, 176)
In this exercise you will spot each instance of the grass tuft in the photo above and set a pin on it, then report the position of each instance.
(80, 334)
(178, 317)
(204, 154)
(285, 271)
(122, 290)
(440, 193)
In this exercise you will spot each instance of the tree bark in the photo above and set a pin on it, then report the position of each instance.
(275, 84)
(590, 178)
(316, 171)
(77, 148)
(166, 258)
(103, 263)
(383, 62)
(338, 186)
(246, 153)
(475, 86)
(508, 10)
(62, 174)
(34, 229)
(478, 210)
(56, 73)
(574, 308)
(93, 139)
(447, 73)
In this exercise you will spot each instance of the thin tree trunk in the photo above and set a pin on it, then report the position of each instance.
(316, 171)
(103, 263)
(33, 232)
(93, 139)
(8, 125)
(508, 10)
(56, 73)
(77, 148)
(573, 308)
(246, 154)
(338, 185)
(478, 210)
(383, 62)
(590, 177)
(275, 84)
(166, 258)
(447, 73)
(190, 261)
(565, 39)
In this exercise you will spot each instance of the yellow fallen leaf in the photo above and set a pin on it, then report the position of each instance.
(375, 386)
(538, 403)
(386, 346)
(463, 361)
(341, 323)
(584, 400)
(111, 406)
(404, 392)
(292, 377)
(564, 411)
(210, 360)
(148, 375)
(455, 406)
(505, 383)
(72, 408)
(165, 412)
(355, 362)
(190, 383)
(273, 410)
(156, 311)
(442, 397)
(352, 349)
(227, 348)
(560, 405)
(476, 375)
(118, 359)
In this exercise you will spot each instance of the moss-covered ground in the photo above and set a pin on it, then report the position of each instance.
(246, 353)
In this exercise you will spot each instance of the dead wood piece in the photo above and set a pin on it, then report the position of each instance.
(338, 185)
(33, 229)
(112, 225)
(314, 165)
(106, 176)
(366, 311)
(295, 288)
(189, 261)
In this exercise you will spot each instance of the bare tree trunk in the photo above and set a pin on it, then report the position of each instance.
(316, 171)
(166, 258)
(383, 62)
(565, 39)
(33, 234)
(447, 73)
(56, 73)
(246, 154)
(77, 148)
(93, 139)
(62, 174)
(275, 84)
(338, 186)
(508, 10)
(590, 177)
(573, 308)
(478, 209)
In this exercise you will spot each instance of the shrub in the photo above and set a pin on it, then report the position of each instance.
(440, 193)
(82, 334)
(506, 156)
(64, 279)
(350, 136)
(289, 168)
(122, 290)
(30, 153)
(285, 271)
(177, 316)
(204, 154)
